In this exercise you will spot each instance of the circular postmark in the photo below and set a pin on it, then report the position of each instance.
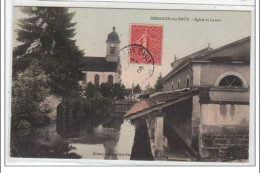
(138, 59)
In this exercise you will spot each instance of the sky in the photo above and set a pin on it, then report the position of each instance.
(180, 38)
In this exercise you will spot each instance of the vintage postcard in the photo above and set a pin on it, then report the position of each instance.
(165, 85)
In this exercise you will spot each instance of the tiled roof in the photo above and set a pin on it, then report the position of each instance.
(184, 60)
(235, 51)
(181, 61)
(159, 100)
(98, 64)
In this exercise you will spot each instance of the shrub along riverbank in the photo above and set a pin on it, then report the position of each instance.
(94, 106)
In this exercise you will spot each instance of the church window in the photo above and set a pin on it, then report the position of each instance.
(97, 79)
(172, 86)
(110, 79)
(231, 81)
(178, 84)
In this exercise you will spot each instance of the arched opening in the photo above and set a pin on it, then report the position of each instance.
(97, 79)
(110, 79)
(178, 84)
(231, 73)
(112, 49)
(231, 81)
(188, 82)
(172, 86)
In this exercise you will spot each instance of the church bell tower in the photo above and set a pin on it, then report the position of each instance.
(113, 43)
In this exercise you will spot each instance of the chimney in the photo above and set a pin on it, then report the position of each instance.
(175, 58)
(209, 46)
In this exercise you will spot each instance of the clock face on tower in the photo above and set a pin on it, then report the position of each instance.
(112, 45)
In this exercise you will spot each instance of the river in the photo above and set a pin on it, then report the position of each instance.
(81, 141)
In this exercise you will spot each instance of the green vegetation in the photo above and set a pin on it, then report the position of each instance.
(46, 62)
(159, 83)
(47, 36)
(95, 105)
(137, 89)
(157, 86)
(29, 89)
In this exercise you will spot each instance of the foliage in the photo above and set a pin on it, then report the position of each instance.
(91, 90)
(128, 91)
(29, 90)
(23, 124)
(95, 106)
(149, 89)
(137, 89)
(46, 35)
(118, 91)
(106, 89)
(159, 83)
(115, 91)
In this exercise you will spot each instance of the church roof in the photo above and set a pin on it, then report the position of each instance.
(98, 64)
(113, 36)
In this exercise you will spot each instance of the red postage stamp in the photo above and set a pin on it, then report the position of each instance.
(150, 37)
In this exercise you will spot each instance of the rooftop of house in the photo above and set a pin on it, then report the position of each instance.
(159, 101)
(100, 64)
(235, 51)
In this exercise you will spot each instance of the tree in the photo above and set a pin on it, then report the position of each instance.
(159, 83)
(113, 91)
(128, 91)
(137, 89)
(46, 35)
(91, 90)
(118, 91)
(28, 91)
(106, 89)
(148, 88)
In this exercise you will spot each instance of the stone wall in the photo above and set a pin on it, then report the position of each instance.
(225, 147)
(224, 131)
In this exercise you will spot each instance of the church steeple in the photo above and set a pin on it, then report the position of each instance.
(113, 42)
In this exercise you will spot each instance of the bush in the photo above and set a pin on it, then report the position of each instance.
(30, 88)
(23, 124)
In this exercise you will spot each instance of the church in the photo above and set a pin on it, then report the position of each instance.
(99, 70)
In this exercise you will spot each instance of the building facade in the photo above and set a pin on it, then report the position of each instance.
(205, 101)
(99, 70)
(219, 114)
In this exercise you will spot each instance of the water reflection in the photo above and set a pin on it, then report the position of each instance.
(40, 143)
(111, 139)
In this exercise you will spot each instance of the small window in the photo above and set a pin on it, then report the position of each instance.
(178, 84)
(112, 49)
(187, 83)
(97, 80)
(110, 79)
(172, 86)
(231, 81)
